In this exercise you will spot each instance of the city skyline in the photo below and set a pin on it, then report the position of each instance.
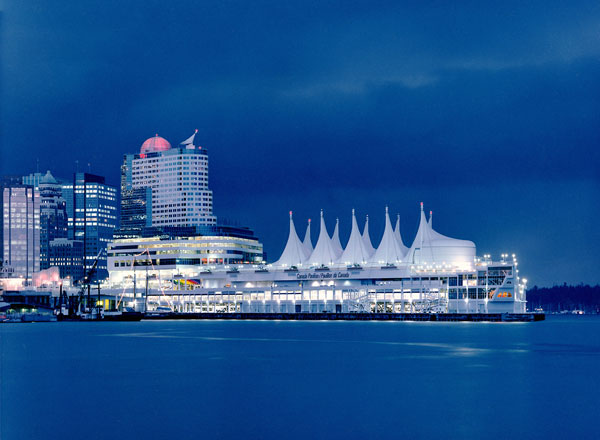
(490, 120)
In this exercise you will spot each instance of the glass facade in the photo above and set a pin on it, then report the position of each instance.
(53, 216)
(136, 212)
(92, 217)
(67, 255)
(21, 231)
(5, 182)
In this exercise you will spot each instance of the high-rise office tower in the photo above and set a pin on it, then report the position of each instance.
(20, 231)
(5, 182)
(92, 217)
(177, 178)
(53, 216)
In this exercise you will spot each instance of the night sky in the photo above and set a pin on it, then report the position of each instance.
(488, 112)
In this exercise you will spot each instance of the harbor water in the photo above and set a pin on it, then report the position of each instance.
(304, 380)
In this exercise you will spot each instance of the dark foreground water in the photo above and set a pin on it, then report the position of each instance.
(262, 379)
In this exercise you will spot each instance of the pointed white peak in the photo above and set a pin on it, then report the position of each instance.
(367, 238)
(389, 251)
(308, 247)
(335, 240)
(431, 247)
(293, 254)
(356, 252)
(189, 142)
(398, 236)
(420, 250)
(434, 234)
(324, 254)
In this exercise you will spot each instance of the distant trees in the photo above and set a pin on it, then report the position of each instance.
(561, 298)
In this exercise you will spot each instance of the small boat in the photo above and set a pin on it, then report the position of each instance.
(160, 310)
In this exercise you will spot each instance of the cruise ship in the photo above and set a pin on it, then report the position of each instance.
(436, 274)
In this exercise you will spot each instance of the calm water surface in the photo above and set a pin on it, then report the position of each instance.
(264, 379)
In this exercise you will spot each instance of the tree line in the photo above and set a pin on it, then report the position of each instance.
(565, 298)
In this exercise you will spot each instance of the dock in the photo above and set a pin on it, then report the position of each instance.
(423, 317)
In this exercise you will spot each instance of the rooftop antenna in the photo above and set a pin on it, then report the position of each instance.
(37, 165)
(77, 166)
(89, 168)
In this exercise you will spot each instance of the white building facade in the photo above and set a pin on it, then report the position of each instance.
(178, 178)
(437, 274)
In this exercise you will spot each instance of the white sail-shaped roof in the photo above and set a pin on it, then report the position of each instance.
(335, 240)
(307, 243)
(323, 254)
(367, 238)
(398, 236)
(356, 252)
(388, 251)
(420, 251)
(431, 247)
(294, 253)
(190, 140)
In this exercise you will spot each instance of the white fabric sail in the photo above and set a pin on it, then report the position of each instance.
(420, 251)
(307, 243)
(398, 236)
(356, 252)
(431, 247)
(294, 253)
(367, 238)
(388, 251)
(335, 240)
(323, 254)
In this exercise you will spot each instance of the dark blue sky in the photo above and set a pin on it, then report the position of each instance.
(489, 113)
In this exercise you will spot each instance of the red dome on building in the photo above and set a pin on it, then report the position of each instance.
(155, 143)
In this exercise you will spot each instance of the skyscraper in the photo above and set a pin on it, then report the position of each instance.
(178, 179)
(5, 182)
(21, 231)
(92, 217)
(53, 216)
